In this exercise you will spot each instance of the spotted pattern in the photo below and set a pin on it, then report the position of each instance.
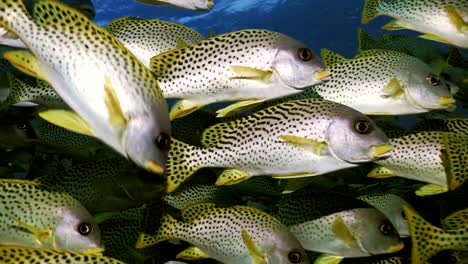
(217, 232)
(40, 206)
(457, 220)
(426, 16)
(25, 255)
(252, 144)
(456, 125)
(189, 128)
(147, 38)
(188, 195)
(418, 157)
(428, 240)
(456, 159)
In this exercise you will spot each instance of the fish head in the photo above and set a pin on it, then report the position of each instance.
(77, 229)
(374, 233)
(429, 91)
(355, 138)
(147, 142)
(296, 65)
(16, 135)
(393, 209)
(283, 247)
(203, 4)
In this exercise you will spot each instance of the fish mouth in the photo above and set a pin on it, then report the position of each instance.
(209, 4)
(396, 248)
(448, 102)
(154, 167)
(322, 75)
(382, 151)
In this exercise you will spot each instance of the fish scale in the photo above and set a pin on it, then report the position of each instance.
(63, 41)
(253, 143)
(217, 232)
(147, 38)
(44, 208)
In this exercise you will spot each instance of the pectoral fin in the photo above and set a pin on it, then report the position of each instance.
(237, 107)
(431, 189)
(248, 73)
(183, 108)
(434, 38)
(456, 19)
(68, 120)
(317, 147)
(381, 172)
(393, 89)
(192, 253)
(328, 259)
(41, 235)
(293, 175)
(232, 176)
(394, 25)
(342, 232)
(116, 115)
(26, 62)
(258, 256)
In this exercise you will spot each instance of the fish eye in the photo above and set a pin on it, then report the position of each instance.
(386, 228)
(163, 141)
(295, 256)
(21, 126)
(433, 80)
(305, 54)
(403, 215)
(363, 127)
(84, 229)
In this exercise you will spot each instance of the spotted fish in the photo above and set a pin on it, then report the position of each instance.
(442, 20)
(249, 66)
(428, 239)
(336, 224)
(433, 157)
(116, 98)
(237, 234)
(147, 38)
(456, 125)
(16, 254)
(295, 139)
(39, 216)
(392, 207)
(196, 5)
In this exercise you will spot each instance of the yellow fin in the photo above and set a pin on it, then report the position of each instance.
(293, 175)
(165, 232)
(365, 41)
(328, 259)
(181, 44)
(394, 25)
(232, 176)
(94, 251)
(248, 73)
(370, 10)
(342, 232)
(393, 89)
(329, 57)
(192, 253)
(25, 61)
(317, 147)
(381, 172)
(294, 184)
(455, 159)
(41, 235)
(116, 115)
(182, 108)
(456, 220)
(431, 189)
(257, 256)
(456, 19)
(237, 107)
(434, 38)
(68, 120)
(161, 63)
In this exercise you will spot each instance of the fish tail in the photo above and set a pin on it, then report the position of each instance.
(365, 41)
(427, 239)
(16, 94)
(183, 161)
(168, 226)
(370, 10)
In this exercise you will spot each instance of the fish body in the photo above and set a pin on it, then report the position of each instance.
(39, 216)
(336, 224)
(249, 66)
(147, 38)
(115, 97)
(295, 139)
(189, 195)
(231, 235)
(442, 20)
(196, 5)
(392, 207)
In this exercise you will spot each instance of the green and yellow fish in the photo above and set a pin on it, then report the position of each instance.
(35, 215)
(115, 97)
(445, 21)
(248, 66)
(295, 139)
(147, 38)
(237, 234)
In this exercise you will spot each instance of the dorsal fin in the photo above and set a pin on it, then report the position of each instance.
(194, 211)
(212, 135)
(161, 63)
(329, 57)
(52, 13)
(365, 41)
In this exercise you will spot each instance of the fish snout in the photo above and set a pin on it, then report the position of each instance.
(381, 151)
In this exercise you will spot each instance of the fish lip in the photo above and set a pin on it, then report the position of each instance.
(446, 101)
(322, 75)
(381, 151)
(396, 248)
(154, 167)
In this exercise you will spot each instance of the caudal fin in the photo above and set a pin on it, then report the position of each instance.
(183, 161)
(168, 226)
(365, 41)
(370, 10)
